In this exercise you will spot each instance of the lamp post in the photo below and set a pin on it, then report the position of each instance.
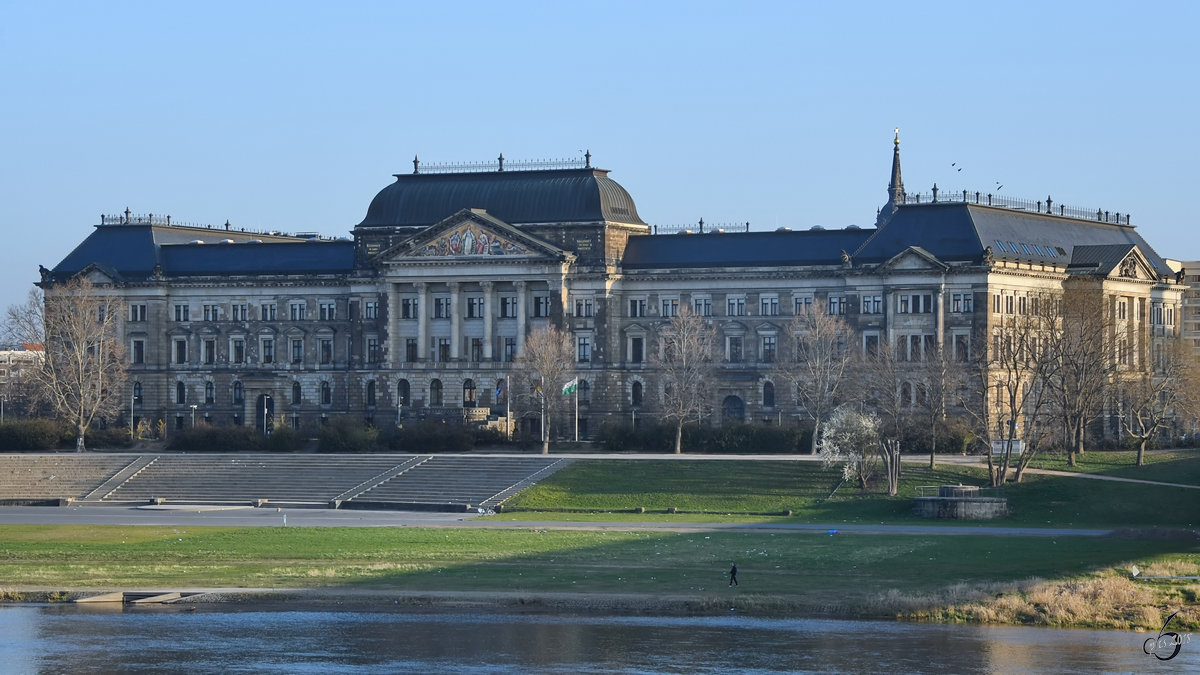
(193, 415)
(266, 398)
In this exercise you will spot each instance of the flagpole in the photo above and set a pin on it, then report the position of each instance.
(576, 409)
(507, 413)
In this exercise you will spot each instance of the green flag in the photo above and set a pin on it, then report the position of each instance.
(570, 387)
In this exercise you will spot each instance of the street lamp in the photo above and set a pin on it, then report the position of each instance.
(266, 398)
(193, 415)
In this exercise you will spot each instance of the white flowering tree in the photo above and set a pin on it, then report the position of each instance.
(850, 439)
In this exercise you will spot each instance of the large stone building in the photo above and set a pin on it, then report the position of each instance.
(424, 310)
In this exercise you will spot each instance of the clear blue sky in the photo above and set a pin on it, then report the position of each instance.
(292, 115)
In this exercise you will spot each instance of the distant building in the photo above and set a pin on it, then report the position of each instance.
(424, 310)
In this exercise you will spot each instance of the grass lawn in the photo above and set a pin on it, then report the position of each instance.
(879, 575)
(1167, 466)
(744, 491)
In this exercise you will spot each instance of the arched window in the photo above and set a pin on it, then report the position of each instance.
(239, 393)
(435, 393)
(180, 393)
(402, 392)
(585, 391)
(468, 393)
(768, 395)
(296, 393)
(137, 392)
(371, 392)
(733, 409)
(210, 393)
(326, 394)
(635, 397)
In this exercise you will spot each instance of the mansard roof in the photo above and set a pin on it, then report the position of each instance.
(135, 251)
(517, 197)
(742, 249)
(962, 232)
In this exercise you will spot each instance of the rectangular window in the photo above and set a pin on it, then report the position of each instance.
(408, 308)
(211, 312)
(541, 306)
(733, 349)
(872, 304)
(637, 350)
(583, 307)
(137, 313)
(237, 350)
(443, 349)
(370, 309)
(870, 345)
(326, 346)
(584, 349)
(476, 349)
(837, 305)
(768, 349)
(962, 348)
(508, 307)
(803, 305)
(996, 303)
(475, 307)
(267, 312)
(1021, 305)
(637, 308)
(735, 306)
(268, 350)
(702, 306)
(297, 351)
(769, 305)
(138, 350)
(670, 307)
(297, 311)
(510, 349)
(328, 311)
(914, 303)
(1122, 309)
(962, 302)
(410, 349)
(181, 351)
(441, 308)
(373, 353)
(238, 311)
(210, 352)
(181, 312)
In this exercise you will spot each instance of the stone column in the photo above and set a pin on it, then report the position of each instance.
(422, 321)
(394, 355)
(455, 322)
(521, 318)
(488, 289)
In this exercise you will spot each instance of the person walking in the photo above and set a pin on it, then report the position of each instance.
(733, 575)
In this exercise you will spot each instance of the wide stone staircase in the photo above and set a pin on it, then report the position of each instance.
(28, 479)
(375, 481)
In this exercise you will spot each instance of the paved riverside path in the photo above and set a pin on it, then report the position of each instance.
(183, 516)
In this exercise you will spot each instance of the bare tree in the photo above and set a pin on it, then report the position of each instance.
(1086, 368)
(818, 364)
(876, 380)
(941, 374)
(543, 366)
(684, 361)
(82, 375)
(1013, 395)
(1154, 397)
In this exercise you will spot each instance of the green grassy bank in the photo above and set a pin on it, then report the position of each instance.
(933, 577)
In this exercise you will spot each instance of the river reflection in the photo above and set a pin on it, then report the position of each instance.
(62, 639)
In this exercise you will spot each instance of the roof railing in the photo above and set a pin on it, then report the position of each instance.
(131, 218)
(702, 228)
(1048, 206)
(500, 164)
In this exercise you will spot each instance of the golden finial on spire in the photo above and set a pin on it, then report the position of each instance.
(897, 141)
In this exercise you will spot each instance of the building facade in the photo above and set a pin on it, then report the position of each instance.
(424, 309)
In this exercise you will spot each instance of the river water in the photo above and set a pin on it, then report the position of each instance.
(73, 639)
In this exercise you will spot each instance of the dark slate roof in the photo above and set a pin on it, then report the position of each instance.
(957, 232)
(751, 249)
(311, 257)
(517, 197)
(1103, 258)
(133, 251)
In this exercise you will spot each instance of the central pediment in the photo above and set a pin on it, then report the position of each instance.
(472, 234)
